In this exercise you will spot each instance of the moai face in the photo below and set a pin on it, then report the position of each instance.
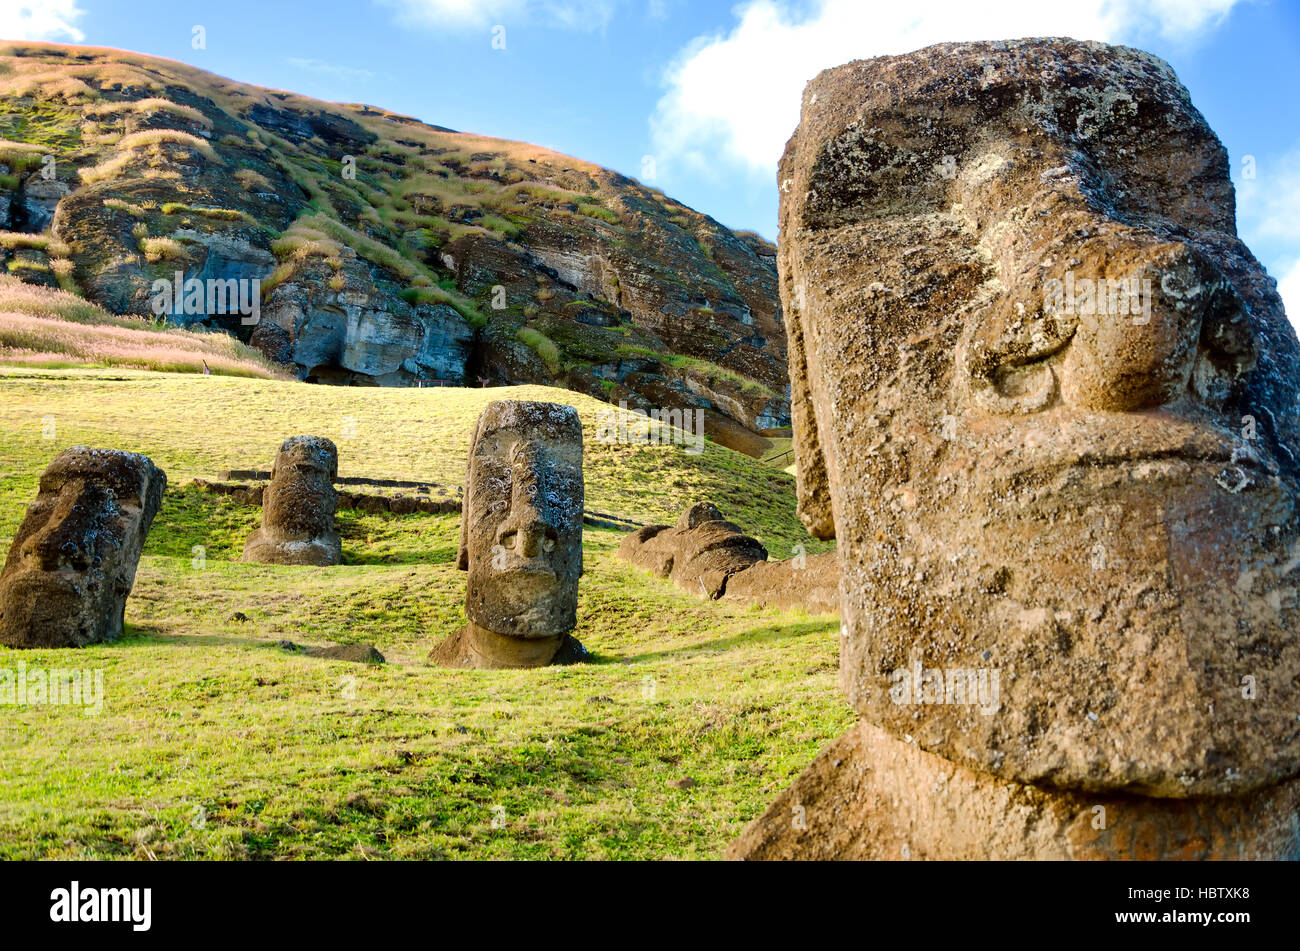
(301, 500)
(521, 532)
(298, 507)
(1087, 487)
(72, 563)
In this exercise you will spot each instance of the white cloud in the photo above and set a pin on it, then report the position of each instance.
(1268, 203)
(1268, 219)
(1289, 287)
(42, 20)
(584, 15)
(330, 69)
(734, 99)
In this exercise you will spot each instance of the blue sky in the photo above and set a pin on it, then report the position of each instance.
(698, 97)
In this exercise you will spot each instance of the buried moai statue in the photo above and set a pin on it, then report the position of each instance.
(520, 539)
(72, 563)
(298, 507)
(709, 556)
(1023, 338)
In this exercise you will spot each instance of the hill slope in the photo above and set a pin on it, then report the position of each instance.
(285, 756)
(389, 251)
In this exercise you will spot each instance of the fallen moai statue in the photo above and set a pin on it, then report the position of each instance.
(709, 556)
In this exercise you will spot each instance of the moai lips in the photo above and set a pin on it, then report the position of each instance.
(521, 539)
(72, 563)
(298, 507)
(1049, 413)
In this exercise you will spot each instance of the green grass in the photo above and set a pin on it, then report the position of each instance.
(707, 367)
(288, 758)
(48, 125)
(440, 295)
(217, 214)
(543, 346)
(596, 211)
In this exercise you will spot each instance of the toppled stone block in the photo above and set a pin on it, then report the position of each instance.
(699, 553)
(707, 555)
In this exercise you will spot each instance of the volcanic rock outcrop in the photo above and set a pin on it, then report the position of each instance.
(709, 556)
(389, 252)
(298, 507)
(72, 563)
(1045, 399)
(520, 539)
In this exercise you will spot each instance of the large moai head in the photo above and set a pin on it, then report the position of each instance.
(521, 527)
(72, 563)
(1046, 401)
(298, 507)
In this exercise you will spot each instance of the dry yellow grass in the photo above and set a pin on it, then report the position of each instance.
(150, 104)
(43, 326)
(160, 136)
(163, 249)
(13, 240)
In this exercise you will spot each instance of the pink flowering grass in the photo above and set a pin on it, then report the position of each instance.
(41, 326)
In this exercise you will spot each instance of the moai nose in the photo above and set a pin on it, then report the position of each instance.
(527, 530)
(1150, 332)
(534, 538)
(66, 538)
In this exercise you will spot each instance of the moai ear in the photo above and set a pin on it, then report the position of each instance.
(467, 496)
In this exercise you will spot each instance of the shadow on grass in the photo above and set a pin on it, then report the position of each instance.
(763, 635)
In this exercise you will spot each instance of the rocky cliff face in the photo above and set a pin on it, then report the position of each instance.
(388, 252)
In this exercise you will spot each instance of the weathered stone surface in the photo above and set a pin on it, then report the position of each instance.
(709, 556)
(1100, 506)
(521, 538)
(403, 504)
(811, 582)
(476, 648)
(353, 653)
(298, 507)
(72, 563)
(699, 554)
(361, 332)
(870, 795)
(40, 199)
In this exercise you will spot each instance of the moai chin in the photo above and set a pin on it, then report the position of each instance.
(521, 539)
(298, 507)
(1023, 331)
(72, 564)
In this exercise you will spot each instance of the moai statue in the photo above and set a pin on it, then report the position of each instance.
(706, 555)
(520, 539)
(72, 563)
(700, 553)
(298, 507)
(1017, 308)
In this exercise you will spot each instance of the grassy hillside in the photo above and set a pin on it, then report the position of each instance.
(118, 169)
(214, 743)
